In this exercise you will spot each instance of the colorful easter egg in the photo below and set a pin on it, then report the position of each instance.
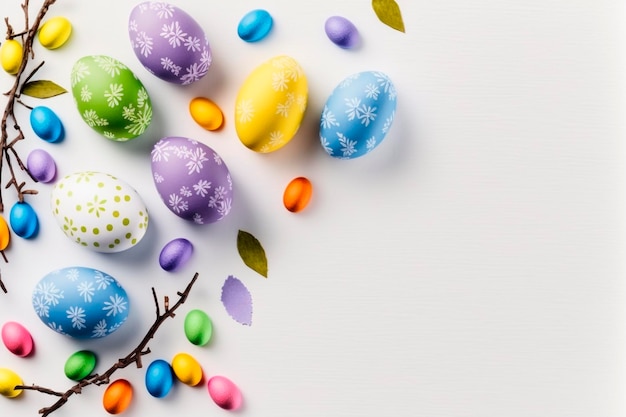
(224, 392)
(297, 194)
(46, 124)
(117, 396)
(206, 113)
(24, 220)
(255, 25)
(270, 104)
(11, 52)
(175, 254)
(159, 378)
(110, 98)
(168, 42)
(54, 32)
(41, 165)
(357, 115)
(80, 365)
(187, 369)
(198, 327)
(81, 302)
(99, 211)
(17, 339)
(8, 381)
(342, 32)
(192, 180)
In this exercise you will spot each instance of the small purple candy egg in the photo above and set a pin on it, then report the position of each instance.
(41, 165)
(342, 32)
(175, 254)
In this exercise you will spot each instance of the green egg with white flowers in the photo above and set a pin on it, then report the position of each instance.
(110, 98)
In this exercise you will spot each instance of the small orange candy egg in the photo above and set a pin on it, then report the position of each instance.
(117, 396)
(5, 235)
(297, 194)
(206, 113)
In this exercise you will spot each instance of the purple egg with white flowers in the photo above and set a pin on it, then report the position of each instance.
(192, 179)
(168, 42)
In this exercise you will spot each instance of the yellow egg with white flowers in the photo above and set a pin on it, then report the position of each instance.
(270, 104)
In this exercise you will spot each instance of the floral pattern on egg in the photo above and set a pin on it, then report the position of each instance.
(168, 42)
(192, 179)
(99, 211)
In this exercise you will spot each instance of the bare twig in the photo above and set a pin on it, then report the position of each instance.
(134, 357)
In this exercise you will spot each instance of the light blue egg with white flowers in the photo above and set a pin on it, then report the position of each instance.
(358, 115)
(81, 302)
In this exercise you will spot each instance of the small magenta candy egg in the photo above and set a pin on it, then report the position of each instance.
(342, 32)
(198, 327)
(46, 124)
(175, 254)
(80, 365)
(224, 392)
(255, 25)
(41, 165)
(297, 194)
(8, 381)
(117, 396)
(24, 220)
(206, 113)
(159, 378)
(17, 339)
(187, 369)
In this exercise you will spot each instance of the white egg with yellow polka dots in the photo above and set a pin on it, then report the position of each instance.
(99, 211)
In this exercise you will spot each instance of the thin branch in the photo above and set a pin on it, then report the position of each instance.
(134, 357)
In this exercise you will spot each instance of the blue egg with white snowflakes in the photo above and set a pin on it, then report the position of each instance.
(81, 302)
(358, 115)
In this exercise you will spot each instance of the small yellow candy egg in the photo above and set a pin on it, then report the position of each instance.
(8, 381)
(55, 32)
(187, 369)
(11, 56)
(206, 113)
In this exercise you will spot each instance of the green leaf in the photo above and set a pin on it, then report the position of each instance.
(252, 252)
(42, 89)
(389, 13)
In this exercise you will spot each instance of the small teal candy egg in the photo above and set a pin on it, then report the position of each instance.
(159, 378)
(255, 25)
(23, 220)
(41, 165)
(81, 302)
(358, 115)
(46, 124)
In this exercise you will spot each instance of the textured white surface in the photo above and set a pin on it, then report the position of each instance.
(471, 266)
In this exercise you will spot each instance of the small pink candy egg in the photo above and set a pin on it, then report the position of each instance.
(224, 392)
(17, 339)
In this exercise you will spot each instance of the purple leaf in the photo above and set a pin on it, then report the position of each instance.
(237, 300)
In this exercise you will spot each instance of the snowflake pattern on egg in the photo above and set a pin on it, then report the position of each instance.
(358, 114)
(192, 180)
(81, 302)
(169, 43)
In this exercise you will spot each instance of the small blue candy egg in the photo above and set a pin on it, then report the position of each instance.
(41, 165)
(175, 254)
(24, 221)
(255, 25)
(159, 378)
(46, 124)
(342, 32)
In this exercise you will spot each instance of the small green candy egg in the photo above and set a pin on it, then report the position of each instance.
(80, 365)
(198, 327)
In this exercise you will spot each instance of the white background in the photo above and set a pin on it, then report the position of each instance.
(471, 266)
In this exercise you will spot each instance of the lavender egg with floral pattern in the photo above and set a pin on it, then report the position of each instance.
(192, 179)
(168, 42)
